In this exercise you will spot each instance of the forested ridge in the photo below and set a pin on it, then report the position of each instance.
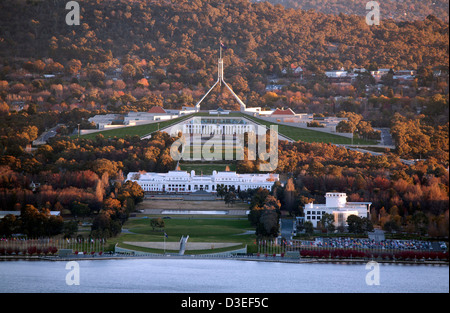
(407, 10)
(187, 33)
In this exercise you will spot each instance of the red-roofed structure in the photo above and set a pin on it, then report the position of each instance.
(283, 112)
(157, 110)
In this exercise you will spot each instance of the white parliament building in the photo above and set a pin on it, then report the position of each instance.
(337, 205)
(184, 182)
(220, 126)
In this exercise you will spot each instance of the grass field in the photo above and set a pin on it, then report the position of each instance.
(295, 133)
(308, 135)
(158, 204)
(199, 229)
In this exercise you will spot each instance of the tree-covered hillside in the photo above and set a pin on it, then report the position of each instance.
(405, 10)
(261, 37)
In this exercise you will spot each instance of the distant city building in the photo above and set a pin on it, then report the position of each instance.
(405, 72)
(274, 87)
(292, 70)
(155, 114)
(104, 120)
(400, 75)
(337, 205)
(336, 74)
(184, 182)
(405, 75)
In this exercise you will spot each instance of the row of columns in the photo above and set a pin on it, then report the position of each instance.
(217, 129)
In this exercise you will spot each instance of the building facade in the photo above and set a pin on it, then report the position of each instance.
(336, 74)
(184, 182)
(336, 204)
(220, 126)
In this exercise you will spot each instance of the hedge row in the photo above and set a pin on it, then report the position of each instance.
(347, 253)
(32, 250)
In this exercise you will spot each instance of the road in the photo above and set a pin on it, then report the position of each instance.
(406, 162)
(45, 136)
(286, 228)
(386, 137)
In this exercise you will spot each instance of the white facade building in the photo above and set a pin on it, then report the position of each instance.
(139, 118)
(184, 182)
(214, 125)
(337, 205)
(336, 74)
(104, 120)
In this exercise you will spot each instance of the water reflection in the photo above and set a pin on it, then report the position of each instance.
(211, 276)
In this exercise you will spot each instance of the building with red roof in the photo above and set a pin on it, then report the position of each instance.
(157, 110)
(283, 113)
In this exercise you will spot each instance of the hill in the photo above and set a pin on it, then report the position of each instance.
(406, 10)
(183, 36)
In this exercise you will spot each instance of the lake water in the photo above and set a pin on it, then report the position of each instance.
(217, 276)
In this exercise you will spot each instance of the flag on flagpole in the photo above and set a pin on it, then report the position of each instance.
(223, 46)
(165, 235)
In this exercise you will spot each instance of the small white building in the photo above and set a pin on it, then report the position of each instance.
(139, 118)
(104, 120)
(337, 205)
(258, 111)
(336, 74)
(184, 182)
(379, 73)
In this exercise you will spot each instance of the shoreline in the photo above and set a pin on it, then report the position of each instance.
(237, 258)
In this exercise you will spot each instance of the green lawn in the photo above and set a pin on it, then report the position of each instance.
(308, 135)
(200, 229)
